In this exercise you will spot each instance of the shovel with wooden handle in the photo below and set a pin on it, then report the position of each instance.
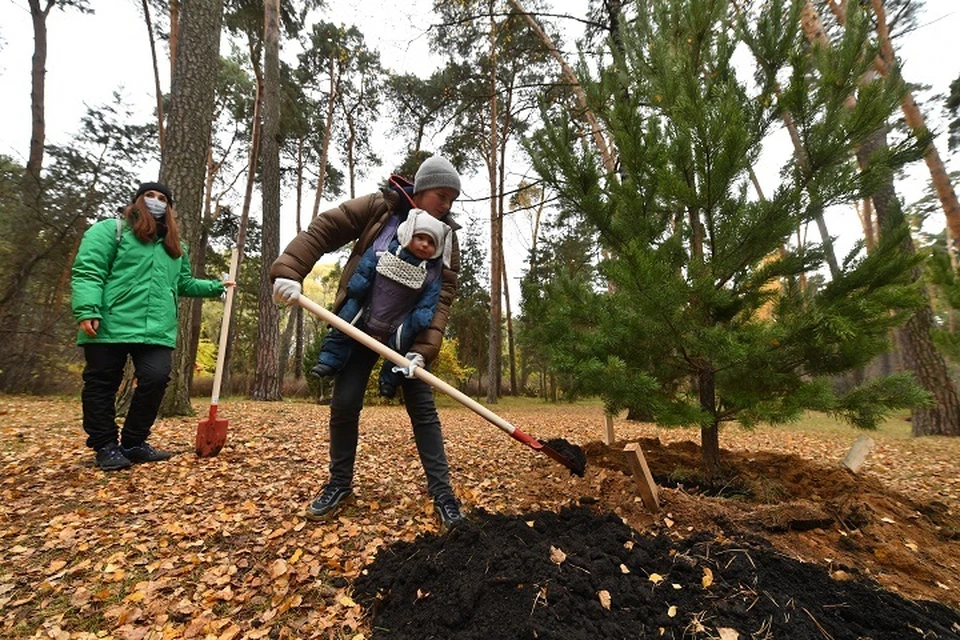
(373, 344)
(212, 431)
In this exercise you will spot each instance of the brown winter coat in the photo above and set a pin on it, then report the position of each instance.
(361, 219)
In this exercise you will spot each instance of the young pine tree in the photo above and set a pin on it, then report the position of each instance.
(702, 319)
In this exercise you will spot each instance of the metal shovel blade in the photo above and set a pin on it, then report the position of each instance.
(211, 434)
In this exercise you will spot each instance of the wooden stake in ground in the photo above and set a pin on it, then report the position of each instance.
(646, 487)
(608, 438)
(858, 453)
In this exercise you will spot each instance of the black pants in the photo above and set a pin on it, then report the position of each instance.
(345, 407)
(102, 376)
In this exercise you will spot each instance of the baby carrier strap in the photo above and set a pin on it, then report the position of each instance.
(382, 242)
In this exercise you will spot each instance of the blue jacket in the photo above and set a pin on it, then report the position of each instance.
(423, 310)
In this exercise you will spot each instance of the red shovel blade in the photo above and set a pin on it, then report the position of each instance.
(211, 434)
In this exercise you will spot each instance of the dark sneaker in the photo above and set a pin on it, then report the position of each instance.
(328, 503)
(111, 458)
(448, 510)
(321, 370)
(145, 453)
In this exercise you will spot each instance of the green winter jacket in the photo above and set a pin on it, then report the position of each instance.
(131, 287)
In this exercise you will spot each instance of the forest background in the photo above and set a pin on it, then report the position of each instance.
(560, 195)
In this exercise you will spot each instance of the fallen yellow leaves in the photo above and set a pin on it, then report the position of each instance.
(218, 548)
(557, 556)
(707, 579)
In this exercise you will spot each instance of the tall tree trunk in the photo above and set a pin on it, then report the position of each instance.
(38, 82)
(607, 155)
(511, 349)
(298, 369)
(351, 159)
(501, 205)
(327, 134)
(252, 157)
(174, 35)
(183, 162)
(885, 64)
(286, 338)
(266, 382)
(496, 232)
(920, 354)
(156, 72)
(200, 259)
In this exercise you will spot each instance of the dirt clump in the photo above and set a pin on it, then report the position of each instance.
(774, 546)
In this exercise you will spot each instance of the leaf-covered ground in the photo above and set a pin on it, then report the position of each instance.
(218, 548)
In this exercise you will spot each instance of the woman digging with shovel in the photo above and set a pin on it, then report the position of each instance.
(368, 221)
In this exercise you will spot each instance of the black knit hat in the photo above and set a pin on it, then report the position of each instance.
(154, 186)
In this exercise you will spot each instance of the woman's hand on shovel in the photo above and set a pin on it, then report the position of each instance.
(286, 291)
(416, 360)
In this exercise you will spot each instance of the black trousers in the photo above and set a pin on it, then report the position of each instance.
(345, 407)
(102, 376)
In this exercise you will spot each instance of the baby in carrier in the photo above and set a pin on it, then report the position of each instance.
(392, 295)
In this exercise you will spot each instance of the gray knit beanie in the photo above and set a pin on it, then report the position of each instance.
(436, 172)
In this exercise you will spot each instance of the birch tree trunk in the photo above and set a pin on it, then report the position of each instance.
(183, 162)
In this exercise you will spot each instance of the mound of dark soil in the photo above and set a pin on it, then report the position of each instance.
(579, 575)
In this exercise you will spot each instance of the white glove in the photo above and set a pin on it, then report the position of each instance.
(416, 360)
(286, 291)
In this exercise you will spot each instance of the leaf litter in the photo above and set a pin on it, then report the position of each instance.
(219, 547)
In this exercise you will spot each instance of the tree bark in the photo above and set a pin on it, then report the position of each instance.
(266, 382)
(38, 80)
(327, 134)
(921, 356)
(298, 350)
(496, 232)
(156, 72)
(709, 434)
(183, 162)
(174, 31)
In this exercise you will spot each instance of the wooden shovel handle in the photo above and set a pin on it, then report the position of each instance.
(375, 345)
(224, 329)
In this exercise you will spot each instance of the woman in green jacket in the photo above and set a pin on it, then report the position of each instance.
(127, 279)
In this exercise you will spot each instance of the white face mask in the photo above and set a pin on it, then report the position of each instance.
(156, 207)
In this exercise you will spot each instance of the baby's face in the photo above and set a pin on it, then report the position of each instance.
(422, 246)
